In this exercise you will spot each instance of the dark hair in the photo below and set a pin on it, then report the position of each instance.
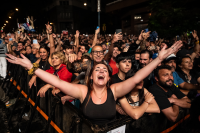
(87, 47)
(67, 47)
(85, 57)
(137, 52)
(148, 52)
(130, 74)
(22, 43)
(118, 46)
(122, 56)
(160, 68)
(181, 59)
(90, 82)
(45, 47)
(28, 46)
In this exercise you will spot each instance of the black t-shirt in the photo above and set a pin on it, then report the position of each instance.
(161, 96)
(116, 79)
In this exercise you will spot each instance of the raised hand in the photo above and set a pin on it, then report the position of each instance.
(117, 37)
(48, 28)
(20, 61)
(194, 33)
(97, 31)
(140, 38)
(146, 35)
(166, 52)
(77, 33)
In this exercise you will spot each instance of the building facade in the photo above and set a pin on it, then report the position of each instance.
(130, 15)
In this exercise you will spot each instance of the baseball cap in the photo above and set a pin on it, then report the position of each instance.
(170, 57)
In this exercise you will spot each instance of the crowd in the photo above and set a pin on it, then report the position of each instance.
(115, 74)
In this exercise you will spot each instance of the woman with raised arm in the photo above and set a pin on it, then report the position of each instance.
(98, 97)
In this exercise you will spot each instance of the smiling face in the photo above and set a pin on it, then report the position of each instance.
(97, 53)
(56, 61)
(43, 54)
(28, 50)
(100, 75)
(186, 64)
(165, 78)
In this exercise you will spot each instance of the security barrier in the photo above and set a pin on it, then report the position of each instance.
(49, 115)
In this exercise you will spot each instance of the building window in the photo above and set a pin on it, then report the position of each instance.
(137, 17)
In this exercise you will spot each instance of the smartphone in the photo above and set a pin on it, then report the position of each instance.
(178, 37)
(18, 32)
(156, 39)
(10, 39)
(191, 32)
(97, 27)
(58, 36)
(109, 34)
(127, 44)
(35, 41)
(86, 35)
(118, 31)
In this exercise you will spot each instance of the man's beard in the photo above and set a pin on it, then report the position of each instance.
(165, 85)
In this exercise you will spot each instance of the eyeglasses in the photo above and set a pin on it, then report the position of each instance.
(96, 52)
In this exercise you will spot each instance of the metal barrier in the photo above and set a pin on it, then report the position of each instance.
(56, 117)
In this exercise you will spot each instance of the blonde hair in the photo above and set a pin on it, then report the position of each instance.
(61, 56)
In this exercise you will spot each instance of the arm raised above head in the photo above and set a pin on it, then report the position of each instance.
(122, 88)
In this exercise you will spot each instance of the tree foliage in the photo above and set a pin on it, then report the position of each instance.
(173, 17)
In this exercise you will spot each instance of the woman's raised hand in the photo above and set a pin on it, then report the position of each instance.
(166, 52)
(20, 61)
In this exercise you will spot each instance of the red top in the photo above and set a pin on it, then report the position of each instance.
(114, 67)
(62, 73)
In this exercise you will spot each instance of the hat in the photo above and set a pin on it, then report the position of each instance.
(170, 57)
(87, 54)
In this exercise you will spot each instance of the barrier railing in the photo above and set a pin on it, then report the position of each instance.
(49, 115)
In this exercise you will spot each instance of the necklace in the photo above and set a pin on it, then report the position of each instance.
(100, 97)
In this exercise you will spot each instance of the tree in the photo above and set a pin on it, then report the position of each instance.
(173, 17)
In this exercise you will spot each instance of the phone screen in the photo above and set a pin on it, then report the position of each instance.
(118, 31)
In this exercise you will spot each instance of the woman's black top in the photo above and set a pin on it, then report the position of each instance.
(99, 113)
(44, 65)
(194, 77)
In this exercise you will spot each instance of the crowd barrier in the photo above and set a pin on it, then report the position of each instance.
(31, 113)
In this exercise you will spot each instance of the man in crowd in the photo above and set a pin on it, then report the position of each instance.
(168, 97)
(124, 64)
(178, 82)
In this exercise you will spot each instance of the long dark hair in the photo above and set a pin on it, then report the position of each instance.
(90, 82)
(141, 91)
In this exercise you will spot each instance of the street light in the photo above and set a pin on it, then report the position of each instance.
(10, 17)
(6, 21)
(85, 4)
(16, 9)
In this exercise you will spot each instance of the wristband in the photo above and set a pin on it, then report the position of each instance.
(50, 33)
(32, 70)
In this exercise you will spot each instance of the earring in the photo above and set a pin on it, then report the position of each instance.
(108, 84)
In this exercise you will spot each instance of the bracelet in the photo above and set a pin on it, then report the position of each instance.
(197, 42)
(32, 70)
(50, 33)
(146, 102)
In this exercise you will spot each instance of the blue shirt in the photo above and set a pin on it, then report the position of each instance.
(177, 79)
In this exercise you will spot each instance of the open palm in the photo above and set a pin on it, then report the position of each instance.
(166, 52)
(20, 61)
